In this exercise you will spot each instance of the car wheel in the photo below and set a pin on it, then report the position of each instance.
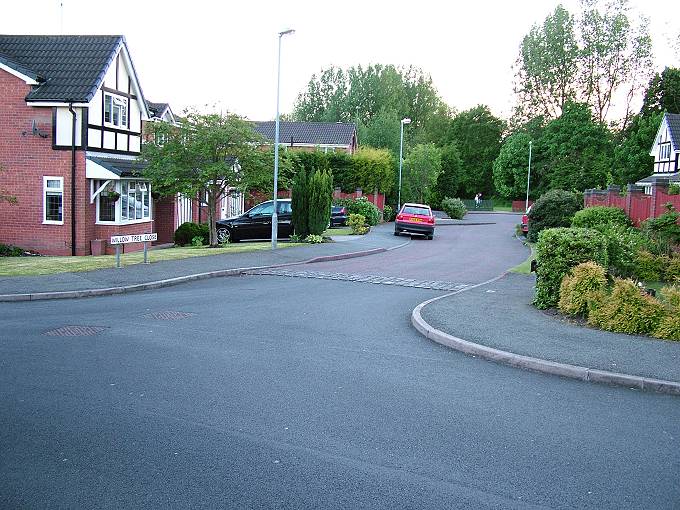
(396, 233)
(430, 237)
(224, 235)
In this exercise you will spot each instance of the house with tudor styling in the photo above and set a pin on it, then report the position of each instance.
(666, 153)
(72, 112)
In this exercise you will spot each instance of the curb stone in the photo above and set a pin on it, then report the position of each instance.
(75, 294)
(535, 364)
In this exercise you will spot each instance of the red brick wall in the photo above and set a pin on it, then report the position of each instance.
(25, 159)
(164, 212)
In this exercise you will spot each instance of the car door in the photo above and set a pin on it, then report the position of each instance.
(285, 214)
(261, 221)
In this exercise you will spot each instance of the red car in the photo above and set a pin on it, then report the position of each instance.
(415, 219)
(525, 221)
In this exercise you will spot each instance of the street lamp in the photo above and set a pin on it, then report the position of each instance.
(275, 216)
(526, 205)
(401, 159)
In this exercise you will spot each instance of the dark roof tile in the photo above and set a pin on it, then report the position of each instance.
(674, 128)
(308, 133)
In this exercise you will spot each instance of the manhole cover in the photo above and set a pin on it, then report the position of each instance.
(168, 315)
(75, 331)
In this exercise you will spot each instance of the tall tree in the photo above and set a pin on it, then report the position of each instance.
(373, 170)
(512, 166)
(616, 56)
(663, 92)
(578, 150)
(632, 161)
(477, 134)
(547, 67)
(448, 180)
(421, 169)
(207, 156)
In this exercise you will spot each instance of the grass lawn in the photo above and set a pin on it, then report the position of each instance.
(31, 266)
(502, 208)
(525, 267)
(342, 231)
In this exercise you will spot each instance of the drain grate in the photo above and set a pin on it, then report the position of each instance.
(168, 315)
(75, 331)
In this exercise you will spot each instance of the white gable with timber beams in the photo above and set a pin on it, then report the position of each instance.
(666, 148)
(112, 120)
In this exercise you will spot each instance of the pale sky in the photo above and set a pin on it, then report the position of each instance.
(199, 52)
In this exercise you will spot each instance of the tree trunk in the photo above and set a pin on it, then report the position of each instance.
(212, 199)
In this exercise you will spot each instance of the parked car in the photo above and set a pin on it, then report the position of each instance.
(415, 219)
(256, 223)
(338, 216)
(525, 221)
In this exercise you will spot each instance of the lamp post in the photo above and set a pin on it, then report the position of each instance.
(275, 216)
(401, 159)
(526, 204)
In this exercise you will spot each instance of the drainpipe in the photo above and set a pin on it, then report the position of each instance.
(73, 178)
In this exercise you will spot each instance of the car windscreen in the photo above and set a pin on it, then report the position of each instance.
(409, 209)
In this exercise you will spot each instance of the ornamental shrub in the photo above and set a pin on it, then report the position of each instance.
(320, 196)
(357, 222)
(582, 289)
(556, 208)
(362, 206)
(557, 251)
(300, 203)
(9, 250)
(454, 208)
(623, 246)
(592, 217)
(671, 270)
(314, 239)
(388, 213)
(628, 310)
(186, 232)
(663, 232)
(648, 267)
(669, 327)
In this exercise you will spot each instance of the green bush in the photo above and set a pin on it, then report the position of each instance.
(582, 289)
(357, 222)
(556, 208)
(320, 196)
(592, 217)
(300, 203)
(663, 232)
(314, 239)
(623, 246)
(669, 327)
(388, 213)
(648, 267)
(628, 310)
(8, 250)
(186, 232)
(454, 208)
(362, 206)
(674, 188)
(671, 270)
(557, 251)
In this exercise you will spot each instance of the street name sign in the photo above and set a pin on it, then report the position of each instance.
(134, 238)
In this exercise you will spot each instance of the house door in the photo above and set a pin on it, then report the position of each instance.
(184, 209)
(232, 205)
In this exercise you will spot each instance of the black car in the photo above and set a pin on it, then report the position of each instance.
(257, 223)
(338, 216)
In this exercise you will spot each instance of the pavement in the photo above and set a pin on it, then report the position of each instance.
(493, 319)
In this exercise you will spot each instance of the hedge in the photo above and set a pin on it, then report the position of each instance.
(592, 217)
(557, 251)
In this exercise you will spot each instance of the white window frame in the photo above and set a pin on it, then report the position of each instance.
(53, 190)
(665, 151)
(119, 204)
(123, 108)
(116, 188)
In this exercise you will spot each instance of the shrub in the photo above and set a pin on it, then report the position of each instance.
(648, 267)
(669, 327)
(314, 239)
(357, 222)
(8, 250)
(197, 241)
(674, 188)
(388, 213)
(663, 232)
(628, 310)
(623, 246)
(320, 190)
(592, 217)
(300, 203)
(671, 270)
(368, 210)
(454, 207)
(556, 208)
(186, 232)
(557, 251)
(582, 288)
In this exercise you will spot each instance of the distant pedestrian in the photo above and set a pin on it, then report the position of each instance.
(478, 200)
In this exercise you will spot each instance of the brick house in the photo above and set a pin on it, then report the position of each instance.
(71, 119)
(324, 136)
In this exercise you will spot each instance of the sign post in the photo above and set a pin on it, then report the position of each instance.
(133, 238)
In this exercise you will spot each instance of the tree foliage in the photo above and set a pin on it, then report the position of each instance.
(421, 169)
(300, 203)
(632, 161)
(373, 169)
(511, 167)
(320, 196)
(663, 93)
(448, 181)
(206, 156)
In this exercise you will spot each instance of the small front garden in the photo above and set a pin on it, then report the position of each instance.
(603, 270)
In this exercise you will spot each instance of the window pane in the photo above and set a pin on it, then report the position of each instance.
(107, 209)
(116, 115)
(138, 205)
(124, 200)
(107, 108)
(53, 209)
(54, 183)
(146, 204)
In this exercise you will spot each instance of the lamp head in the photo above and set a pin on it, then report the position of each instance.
(405, 121)
(286, 32)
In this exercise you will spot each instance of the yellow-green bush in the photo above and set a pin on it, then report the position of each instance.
(582, 288)
(669, 327)
(627, 310)
(671, 272)
(649, 267)
(357, 222)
